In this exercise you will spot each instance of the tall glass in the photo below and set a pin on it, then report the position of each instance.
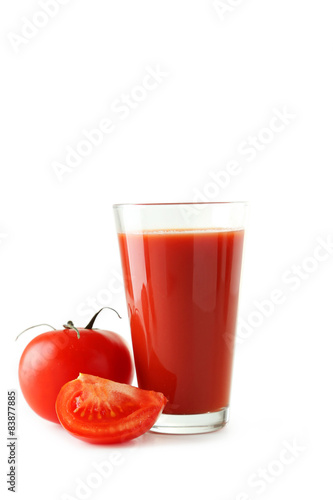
(181, 266)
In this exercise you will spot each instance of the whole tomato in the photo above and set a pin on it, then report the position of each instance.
(54, 358)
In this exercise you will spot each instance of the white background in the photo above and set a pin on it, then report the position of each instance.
(225, 75)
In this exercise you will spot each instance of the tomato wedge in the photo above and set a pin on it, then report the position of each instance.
(101, 411)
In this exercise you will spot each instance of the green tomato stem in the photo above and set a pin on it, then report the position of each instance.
(70, 324)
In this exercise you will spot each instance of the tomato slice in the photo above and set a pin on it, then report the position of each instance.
(101, 411)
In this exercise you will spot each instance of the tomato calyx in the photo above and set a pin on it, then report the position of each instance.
(90, 325)
(70, 324)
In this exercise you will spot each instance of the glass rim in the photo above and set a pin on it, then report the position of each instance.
(120, 205)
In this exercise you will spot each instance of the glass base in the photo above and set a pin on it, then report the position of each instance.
(191, 424)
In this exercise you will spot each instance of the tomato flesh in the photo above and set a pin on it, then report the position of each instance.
(101, 411)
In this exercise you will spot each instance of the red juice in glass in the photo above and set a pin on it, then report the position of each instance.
(182, 288)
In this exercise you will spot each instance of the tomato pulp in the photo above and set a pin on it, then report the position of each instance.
(182, 292)
(101, 411)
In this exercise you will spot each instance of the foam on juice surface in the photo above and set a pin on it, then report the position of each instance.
(187, 231)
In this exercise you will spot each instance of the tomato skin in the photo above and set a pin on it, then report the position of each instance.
(101, 411)
(56, 357)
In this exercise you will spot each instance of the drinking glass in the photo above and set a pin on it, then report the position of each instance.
(181, 265)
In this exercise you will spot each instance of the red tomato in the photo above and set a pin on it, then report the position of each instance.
(56, 357)
(101, 411)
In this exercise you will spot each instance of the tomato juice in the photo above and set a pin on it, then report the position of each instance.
(182, 291)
